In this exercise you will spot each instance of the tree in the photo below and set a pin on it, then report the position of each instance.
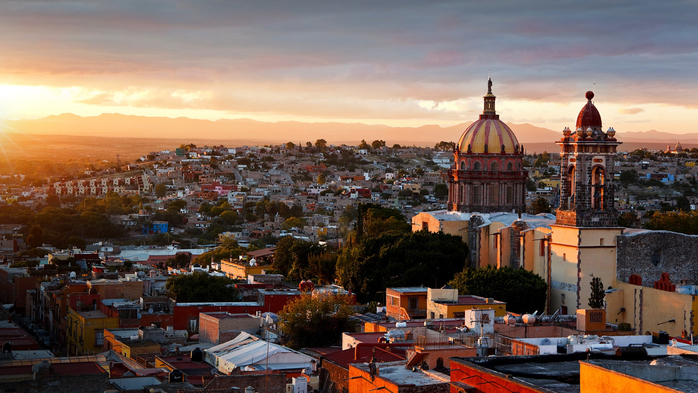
(36, 237)
(377, 144)
(400, 260)
(321, 178)
(290, 145)
(597, 293)
(682, 222)
(160, 190)
(530, 184)
(200, 287)
(364, 145)
(321, 144)
(629, 177)
(441, 190)
(446, 146)
(683, 204)
(522, 290)
(316, 321)
(396, 146)
(627, 219)
(374, 220)
(292, 222)
(181, 260)
(540, 205)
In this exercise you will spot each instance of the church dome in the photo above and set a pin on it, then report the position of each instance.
(589, 116)
(489, 134)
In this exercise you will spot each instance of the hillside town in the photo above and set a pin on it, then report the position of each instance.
(278, 268)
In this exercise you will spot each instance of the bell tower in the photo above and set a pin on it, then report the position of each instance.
(587, 160)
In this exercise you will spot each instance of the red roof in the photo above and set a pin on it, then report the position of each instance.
(589, 116)
(346, 357)
(58, 368)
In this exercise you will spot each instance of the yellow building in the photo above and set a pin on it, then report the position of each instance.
(446, 303)
(240, 269)
(576, 256)
(649, 309)
(86, 331)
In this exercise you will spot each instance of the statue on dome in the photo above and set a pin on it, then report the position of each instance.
(489, 86)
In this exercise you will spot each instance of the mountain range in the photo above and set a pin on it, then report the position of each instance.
(246, 131)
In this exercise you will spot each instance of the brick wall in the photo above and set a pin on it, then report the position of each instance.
(334, 377)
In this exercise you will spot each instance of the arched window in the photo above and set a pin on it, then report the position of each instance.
(439, 362)
(476, 166)
(462, 165)
(597, 187)
(494, 166)
(510, 167)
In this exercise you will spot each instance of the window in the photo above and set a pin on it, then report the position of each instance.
(564, 257)
(541, 248)
(425, 226)
(99, 338)
(477, 195)
(494, 194)
(510, 167)
(601, 242)
(193, 324)
(562, 298)
(394, 301)
(433, 315)
(494, 166)
(510, 194)
(476, 166)
(413, 303)
(462, 165)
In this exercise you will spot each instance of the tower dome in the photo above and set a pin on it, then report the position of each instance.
(589, 116)
(487, 174)
(488, 134)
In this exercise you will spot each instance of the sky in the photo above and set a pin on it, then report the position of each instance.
(399, 63)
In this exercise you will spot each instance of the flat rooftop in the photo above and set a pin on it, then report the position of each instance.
(397, 373)
(409, 289)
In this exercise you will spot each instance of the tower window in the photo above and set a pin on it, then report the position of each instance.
(509, 166)
(494, 166)
(462, 165)
(476, 166)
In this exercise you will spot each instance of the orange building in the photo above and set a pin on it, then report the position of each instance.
(406, 302)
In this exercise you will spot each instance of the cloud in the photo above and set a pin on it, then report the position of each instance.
(631, 111)
(352, 59)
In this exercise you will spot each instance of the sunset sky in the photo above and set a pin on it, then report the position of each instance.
(401, 63)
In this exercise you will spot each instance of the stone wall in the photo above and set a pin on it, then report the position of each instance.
(649, 254)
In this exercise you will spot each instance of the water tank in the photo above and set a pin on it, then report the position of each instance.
(395, 335)
(529, 319)
(684, 289)
(400, 324)
(72, 275)
(253, 262)
(196, 355)
(509, 319)
(249, 389)
(176, 376)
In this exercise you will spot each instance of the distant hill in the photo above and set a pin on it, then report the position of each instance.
(251, 131)
(247, 131)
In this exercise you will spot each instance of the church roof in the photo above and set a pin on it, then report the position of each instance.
(589, 116)
(488, 134)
